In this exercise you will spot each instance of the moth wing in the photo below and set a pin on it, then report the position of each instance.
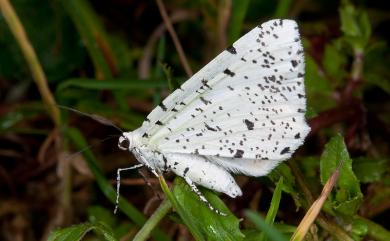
(248, 103)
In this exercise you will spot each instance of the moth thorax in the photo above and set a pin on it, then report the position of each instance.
(128, 140)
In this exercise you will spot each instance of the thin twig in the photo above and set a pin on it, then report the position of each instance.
(145, 61)
(328, 225)
(223, 21)
(174, 37)
(36, 69)
(355, 78)
(316, 207)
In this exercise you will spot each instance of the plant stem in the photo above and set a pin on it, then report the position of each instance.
(375, 231)
(158, 215)
(38, 75)
(174, 37)
(334, 229)
(315, 208)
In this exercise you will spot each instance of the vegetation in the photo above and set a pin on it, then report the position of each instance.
(117, 59)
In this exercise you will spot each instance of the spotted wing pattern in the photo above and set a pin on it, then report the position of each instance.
(247, 104)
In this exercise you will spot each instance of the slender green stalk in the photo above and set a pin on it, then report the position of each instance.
(271, 232)
(146, 230)
(93, 36)
(28, 51)
(375, 231)
(238, 13)
(357, 65)
(282, 8)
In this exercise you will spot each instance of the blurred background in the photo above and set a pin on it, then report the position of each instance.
(116, 59)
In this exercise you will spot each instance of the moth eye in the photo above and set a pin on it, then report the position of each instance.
(123, 143)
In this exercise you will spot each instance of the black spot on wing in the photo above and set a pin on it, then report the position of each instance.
(301, 96)
(209, 128)
(163, 107)
(231, 49)
(294, 63)
(206, 102)
(238, 153)
(249, 124)
(229, 72)
(204, 82)
(285, 150)
(185, 171)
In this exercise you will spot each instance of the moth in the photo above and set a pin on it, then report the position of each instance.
(242, 113)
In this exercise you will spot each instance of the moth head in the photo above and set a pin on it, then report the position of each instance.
(124, 143)
(129, 140)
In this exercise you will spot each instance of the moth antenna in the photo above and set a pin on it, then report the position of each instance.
(118, 182)
(90, 146)
(97, 118)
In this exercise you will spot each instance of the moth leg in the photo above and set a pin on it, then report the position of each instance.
(118, 182)
(149, 184)
(201, 197)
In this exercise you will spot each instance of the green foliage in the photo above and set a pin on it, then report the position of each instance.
(356, 26)
(369, 170)
(334, 63)
(204, 223)
(348, 197)
(271, 233)
(239, 10)
(58, 60)
(274, 207)
(77, 232)
(288, 185)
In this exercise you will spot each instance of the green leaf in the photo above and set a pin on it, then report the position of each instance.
(204, 223)
(108, 84)
(334, 63)
(359, 229)
(254, 234)
(93, 34)
(378, 80)
(239, 10)
(318, 89)
(348, 196)
(274, 207)
(355, 25)
(251, 234)
(270, 232)
(282, 8)
(288, 184)
(369, 170)
(100, 214)
(52, 36)
(77, 232)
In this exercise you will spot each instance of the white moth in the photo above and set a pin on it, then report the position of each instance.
(242, 113)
